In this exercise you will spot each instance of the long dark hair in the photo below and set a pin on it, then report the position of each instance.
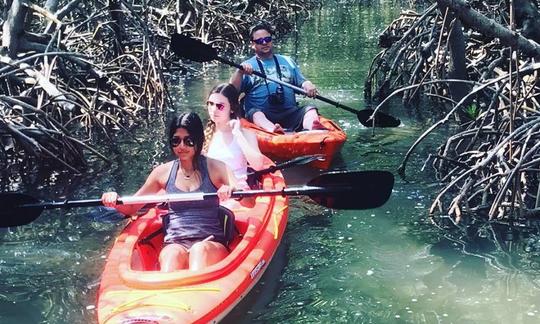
(230, 92)
(191, 122)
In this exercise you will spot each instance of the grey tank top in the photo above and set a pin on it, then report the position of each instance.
(193, 219)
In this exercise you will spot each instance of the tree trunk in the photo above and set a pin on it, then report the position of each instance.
(117, 16)
(13, 29)
(457, 68)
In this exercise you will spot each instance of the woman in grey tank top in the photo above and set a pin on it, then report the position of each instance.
(193, 237)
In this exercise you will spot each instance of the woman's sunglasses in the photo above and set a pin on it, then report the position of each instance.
(219, 106)
(263, 40)
(188, 141)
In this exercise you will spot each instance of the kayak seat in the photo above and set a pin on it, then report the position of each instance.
(227, 222)
(253, 180)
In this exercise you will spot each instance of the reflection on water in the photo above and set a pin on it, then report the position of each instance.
(387, 265)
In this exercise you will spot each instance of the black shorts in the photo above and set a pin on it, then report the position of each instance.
(292, 119)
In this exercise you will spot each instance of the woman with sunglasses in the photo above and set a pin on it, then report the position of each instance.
(225, 139)
(268, 104)
(194, 238)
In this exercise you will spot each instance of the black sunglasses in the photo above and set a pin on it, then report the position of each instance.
(263, 40)
(188, 141)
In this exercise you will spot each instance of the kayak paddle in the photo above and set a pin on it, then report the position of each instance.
(300, 160)
(198, 51)
(339, 190)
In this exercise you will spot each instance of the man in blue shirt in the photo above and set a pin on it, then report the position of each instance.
(266, 103)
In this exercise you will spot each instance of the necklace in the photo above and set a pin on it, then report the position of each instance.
(187, 176)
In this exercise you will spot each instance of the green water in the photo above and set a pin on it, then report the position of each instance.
(387, 265)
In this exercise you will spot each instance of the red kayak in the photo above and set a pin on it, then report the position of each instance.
(133, 290)
(290, 145)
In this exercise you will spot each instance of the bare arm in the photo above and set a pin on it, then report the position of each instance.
(247, 140)
(236, 77)
(259, 119)
(224, 180)
(152, 186)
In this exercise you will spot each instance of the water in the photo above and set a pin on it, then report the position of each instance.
(387, 265)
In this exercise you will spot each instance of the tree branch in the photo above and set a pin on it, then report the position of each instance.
(491, 28)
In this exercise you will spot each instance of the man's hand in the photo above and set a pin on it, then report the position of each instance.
(310, 89)
(278, 129)
(246, 68)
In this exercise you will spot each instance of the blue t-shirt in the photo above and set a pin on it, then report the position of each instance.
(257, 90)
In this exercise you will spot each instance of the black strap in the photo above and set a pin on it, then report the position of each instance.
(278, 69)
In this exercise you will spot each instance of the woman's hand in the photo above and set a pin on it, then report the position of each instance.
(224, 192)
(234, 124)
(109, 199)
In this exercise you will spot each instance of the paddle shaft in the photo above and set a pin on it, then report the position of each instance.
(304, 159)
(295, 88)
(190, 196)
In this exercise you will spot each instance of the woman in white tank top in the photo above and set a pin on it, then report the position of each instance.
(226, 140)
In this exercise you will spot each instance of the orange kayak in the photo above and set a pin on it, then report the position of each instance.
(290, 145)
(133, 290)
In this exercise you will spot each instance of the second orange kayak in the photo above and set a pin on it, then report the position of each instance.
(290, 145)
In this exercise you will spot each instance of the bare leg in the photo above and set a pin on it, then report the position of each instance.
(173, 257)
(309, 118)
(205, 253)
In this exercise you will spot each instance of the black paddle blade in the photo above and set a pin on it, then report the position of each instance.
(381, 119)
(11, 213)
(353, 190)
(192, 49)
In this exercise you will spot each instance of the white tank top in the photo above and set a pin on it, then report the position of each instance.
(231, 155)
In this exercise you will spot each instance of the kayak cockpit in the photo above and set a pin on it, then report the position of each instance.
(139, 265)
(148, 247)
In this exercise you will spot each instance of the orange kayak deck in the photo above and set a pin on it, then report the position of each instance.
(133, 290)
(291, 145)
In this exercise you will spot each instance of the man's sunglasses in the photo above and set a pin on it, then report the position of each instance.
(188, 141)
(219, 106)
(263, 40)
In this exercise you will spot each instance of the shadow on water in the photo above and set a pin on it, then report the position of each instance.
(264, 292)
(104, 215)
